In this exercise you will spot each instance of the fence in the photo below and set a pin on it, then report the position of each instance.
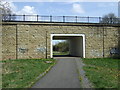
(74, 19)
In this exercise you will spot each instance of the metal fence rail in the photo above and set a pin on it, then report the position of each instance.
(74, 19)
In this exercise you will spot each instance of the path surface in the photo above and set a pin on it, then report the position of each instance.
(63, 75)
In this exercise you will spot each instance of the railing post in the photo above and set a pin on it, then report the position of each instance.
(99, 19)
(88, 19)
(23, 17)
(118, 20)
(37, 18)
(111, 20)
(9, 17)
(63, 18)
(50, 18)
(76, 18)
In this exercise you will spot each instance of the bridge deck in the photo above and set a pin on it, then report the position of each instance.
(56, 23)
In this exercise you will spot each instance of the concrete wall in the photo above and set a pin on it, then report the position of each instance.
(32, 40)
(76, 46)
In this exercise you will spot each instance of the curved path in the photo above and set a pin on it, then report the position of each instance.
(63, 75)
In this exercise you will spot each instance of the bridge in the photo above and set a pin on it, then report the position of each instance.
(22, 39)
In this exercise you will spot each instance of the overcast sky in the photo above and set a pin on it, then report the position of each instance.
(65, 8)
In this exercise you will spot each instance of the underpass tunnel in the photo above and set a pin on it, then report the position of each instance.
(76, 45)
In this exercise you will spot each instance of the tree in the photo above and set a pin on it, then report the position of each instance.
(61, 47)
(5, 7)
(5, 11)
(110, 18)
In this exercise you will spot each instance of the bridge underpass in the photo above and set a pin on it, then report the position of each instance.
(76, 44)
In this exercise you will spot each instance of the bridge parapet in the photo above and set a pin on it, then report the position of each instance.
(65, 19)
(57, 23)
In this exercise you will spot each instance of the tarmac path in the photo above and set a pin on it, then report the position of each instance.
(63, 75)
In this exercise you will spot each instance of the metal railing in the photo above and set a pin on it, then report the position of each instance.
(72, 19)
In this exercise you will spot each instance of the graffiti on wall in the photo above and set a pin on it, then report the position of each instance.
(41, 49)
(114, 51)
(23, 50)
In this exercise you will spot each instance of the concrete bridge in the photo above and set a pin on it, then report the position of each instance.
(25, 40)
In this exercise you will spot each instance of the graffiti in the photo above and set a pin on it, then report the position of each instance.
(114, 51)
(41, 49)
(23, 50)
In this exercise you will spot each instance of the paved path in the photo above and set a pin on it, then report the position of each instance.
(63, 75)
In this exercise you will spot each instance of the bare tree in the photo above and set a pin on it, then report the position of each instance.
(5, 7)
(110, 18)
(5, 10)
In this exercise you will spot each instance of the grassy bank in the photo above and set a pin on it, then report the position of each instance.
(23, 73)
(60, 53)
(103, 73)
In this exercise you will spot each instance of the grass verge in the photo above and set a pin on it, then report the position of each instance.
(60, 53)
(103, 73)
(23, 73)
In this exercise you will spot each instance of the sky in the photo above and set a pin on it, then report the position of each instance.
(95, 9)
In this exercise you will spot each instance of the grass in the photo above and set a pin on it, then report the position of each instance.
(60, 53)
(23, 73)
(103, 73)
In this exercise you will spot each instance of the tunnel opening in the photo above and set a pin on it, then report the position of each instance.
(76, 43)
(61, 48)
